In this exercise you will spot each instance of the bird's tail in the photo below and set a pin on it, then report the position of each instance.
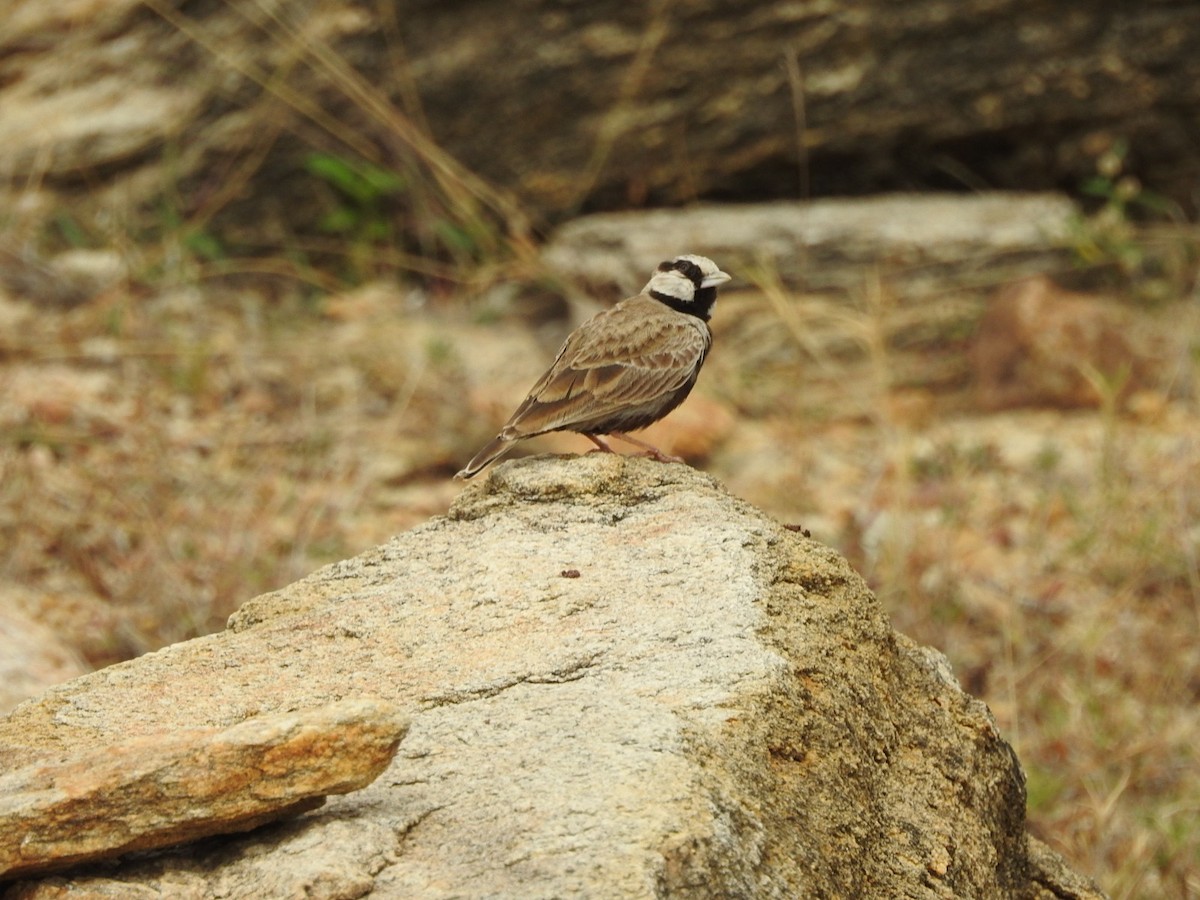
(492, 451)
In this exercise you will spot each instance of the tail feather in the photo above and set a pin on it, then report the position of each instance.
(492, 451)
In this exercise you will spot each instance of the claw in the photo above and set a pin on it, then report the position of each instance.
(649, 450)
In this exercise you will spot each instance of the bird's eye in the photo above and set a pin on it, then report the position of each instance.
(690, 269)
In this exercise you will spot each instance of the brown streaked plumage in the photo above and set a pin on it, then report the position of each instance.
(624, 368)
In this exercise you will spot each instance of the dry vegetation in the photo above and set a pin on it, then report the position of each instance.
(181, 441)
(169, 453)
(1054, 556)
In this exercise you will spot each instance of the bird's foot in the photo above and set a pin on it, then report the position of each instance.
(663, 457)
(648, 450)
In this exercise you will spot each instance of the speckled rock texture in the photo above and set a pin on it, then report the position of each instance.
(158, 790)
(622, 682)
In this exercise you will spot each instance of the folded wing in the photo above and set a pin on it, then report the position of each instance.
(658, 355)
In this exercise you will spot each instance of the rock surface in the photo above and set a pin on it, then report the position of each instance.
(623, 683)
(593, 105)
(924, 241)
(161, 789)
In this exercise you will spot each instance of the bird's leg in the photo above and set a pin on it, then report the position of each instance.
(651, 450)
(602, 446)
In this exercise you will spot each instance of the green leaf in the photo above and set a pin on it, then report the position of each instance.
(384, 182)
(70, 230)
(339, 221)
(453, 237)
(362, 182)
(340, 175)
(205, 244)
(1098, 186)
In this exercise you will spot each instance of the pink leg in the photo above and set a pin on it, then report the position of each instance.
(602, 445)
(651, 450)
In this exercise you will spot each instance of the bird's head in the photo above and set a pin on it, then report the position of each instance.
(687, 283)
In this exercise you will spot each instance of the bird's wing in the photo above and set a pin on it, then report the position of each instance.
(621, 358)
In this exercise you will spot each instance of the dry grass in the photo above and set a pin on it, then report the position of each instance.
(175, 464)
(1053, 559)
(1054, 556)
(168, 457)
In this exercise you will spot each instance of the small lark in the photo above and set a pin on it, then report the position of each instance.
(624, 368)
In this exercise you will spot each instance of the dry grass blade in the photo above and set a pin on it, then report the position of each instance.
(465, 190)
(462, 196)
(616, 121)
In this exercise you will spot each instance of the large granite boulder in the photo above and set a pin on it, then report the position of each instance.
(621, 681)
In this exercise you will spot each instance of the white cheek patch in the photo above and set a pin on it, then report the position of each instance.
(672, 284)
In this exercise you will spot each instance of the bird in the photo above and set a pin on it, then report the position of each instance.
(624, 368)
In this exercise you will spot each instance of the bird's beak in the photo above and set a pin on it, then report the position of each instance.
(714, 279)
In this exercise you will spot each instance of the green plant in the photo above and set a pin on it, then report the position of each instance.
(1121, 235)
(361, 191)
(205, 245)
(1122, 193)
(359, 199)
(69, 230)
(400, 203)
